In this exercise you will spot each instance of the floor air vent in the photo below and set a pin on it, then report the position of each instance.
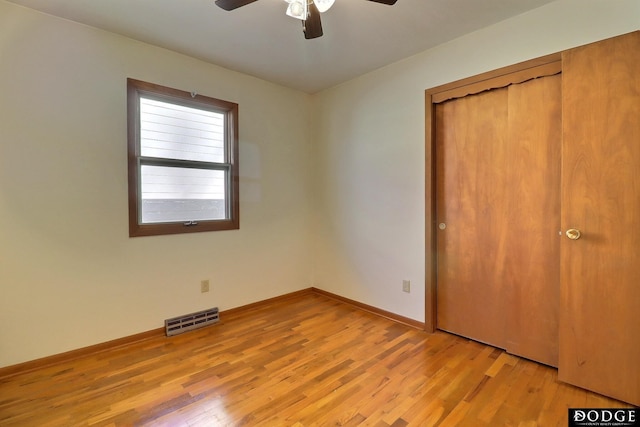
(192, 321)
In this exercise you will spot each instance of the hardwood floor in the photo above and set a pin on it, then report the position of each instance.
(306, 361)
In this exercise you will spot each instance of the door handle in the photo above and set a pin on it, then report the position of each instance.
(573, 233)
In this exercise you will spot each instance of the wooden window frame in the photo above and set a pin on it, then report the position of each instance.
(137, 89)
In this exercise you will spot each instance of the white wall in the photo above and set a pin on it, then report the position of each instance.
(69, 274)
(370, 148)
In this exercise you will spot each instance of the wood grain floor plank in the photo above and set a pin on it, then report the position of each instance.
(304, 361)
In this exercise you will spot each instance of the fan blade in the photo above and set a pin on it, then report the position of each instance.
(233, 4)
(389, 2)
(312, 26)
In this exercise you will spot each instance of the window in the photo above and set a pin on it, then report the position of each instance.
(183, 161)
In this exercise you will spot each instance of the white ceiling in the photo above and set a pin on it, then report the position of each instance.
(260, 40)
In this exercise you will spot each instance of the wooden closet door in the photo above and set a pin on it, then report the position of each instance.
(532, 270)
(600, 272)
(498, 195)
(470, 141)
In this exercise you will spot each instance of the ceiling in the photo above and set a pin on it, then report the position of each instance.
(260, 40)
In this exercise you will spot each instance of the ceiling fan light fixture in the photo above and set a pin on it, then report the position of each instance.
(323, 5)
(297, 9)
(308, 11)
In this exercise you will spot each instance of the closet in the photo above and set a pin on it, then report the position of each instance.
(534, 227)
(498, 207)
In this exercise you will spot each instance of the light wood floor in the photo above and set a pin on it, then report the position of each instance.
(308, 361)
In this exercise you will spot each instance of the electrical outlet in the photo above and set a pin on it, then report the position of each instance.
(204, 286)
(406, 286)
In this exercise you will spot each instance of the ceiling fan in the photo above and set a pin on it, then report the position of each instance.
(308, 11)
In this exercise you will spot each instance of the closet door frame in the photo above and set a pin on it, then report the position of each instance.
(518, 73)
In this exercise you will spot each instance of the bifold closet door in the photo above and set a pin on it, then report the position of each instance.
(600, 285)
(498, 214)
